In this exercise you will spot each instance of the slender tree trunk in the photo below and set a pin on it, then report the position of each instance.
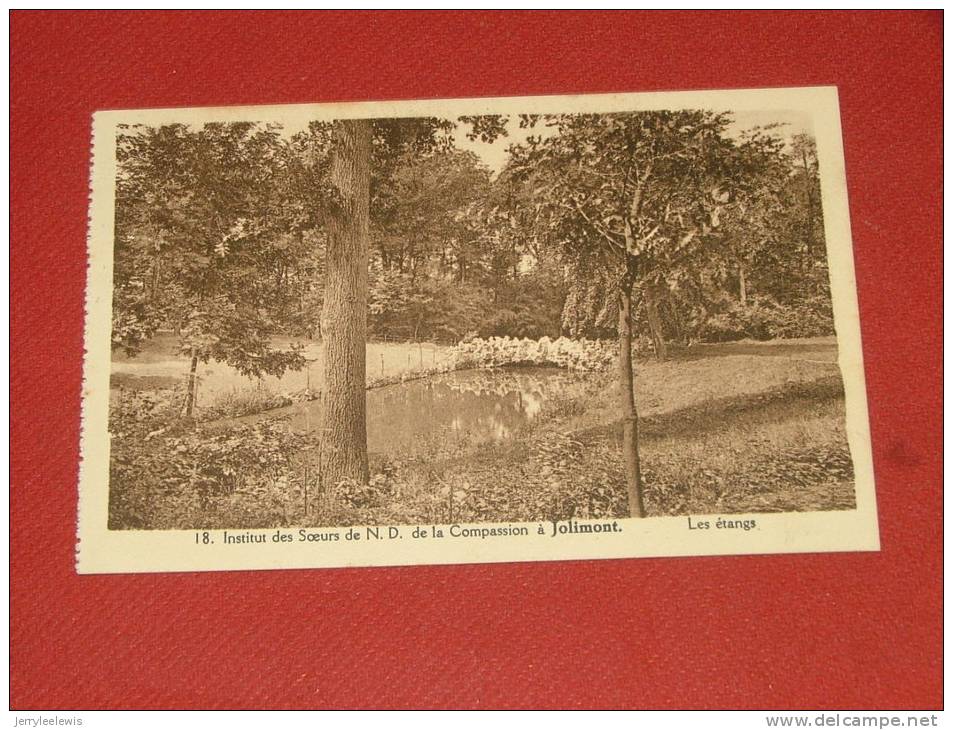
(190, 392)
(155, 276)
(676, 317)
(655, 322)
(420, 319)
(344, 316)
(742, 285)
(630, 417)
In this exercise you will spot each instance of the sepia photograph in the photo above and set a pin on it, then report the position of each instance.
(549, 320)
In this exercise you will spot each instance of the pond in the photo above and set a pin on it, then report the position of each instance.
(461, 408)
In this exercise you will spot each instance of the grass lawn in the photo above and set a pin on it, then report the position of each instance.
(720, 433)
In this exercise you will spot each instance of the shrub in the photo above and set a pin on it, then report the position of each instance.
(244, 401)
(764, 319)
(165, 473)
(579, 355)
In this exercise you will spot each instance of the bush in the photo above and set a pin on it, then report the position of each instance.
(579, 355)
(419, 307)
(167, 474)
(244, 401)
(764, 319)
(806, 318)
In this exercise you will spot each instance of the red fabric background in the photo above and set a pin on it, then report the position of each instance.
(782, 631)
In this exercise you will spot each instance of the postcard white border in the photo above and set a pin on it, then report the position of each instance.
(101, 550)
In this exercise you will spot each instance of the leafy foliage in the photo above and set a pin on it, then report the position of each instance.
(763, 319)
(219, 230)
(201, 215)
(166, 474)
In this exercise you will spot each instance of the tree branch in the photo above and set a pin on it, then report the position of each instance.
(635, 206)
(683, 244)
(595, 226)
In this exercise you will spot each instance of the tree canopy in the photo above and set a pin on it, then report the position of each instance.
(221, 231)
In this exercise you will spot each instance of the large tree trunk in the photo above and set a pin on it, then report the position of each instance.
(630, 417)
(649, 296)
(344, 316)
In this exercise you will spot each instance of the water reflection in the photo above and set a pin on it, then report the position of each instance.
(457, 408)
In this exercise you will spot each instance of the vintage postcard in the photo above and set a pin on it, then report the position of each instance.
(472, 330)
